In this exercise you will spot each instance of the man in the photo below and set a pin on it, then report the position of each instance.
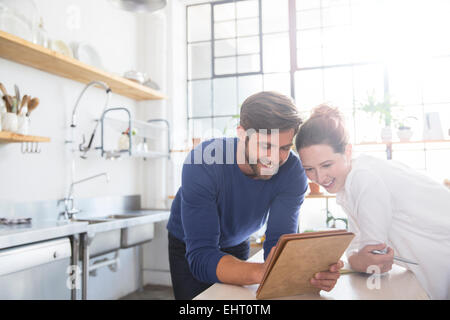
(230, 188)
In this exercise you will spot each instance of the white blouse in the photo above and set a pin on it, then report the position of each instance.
(388, 202)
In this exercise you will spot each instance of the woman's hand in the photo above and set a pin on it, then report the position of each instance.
(327, 280)
(362, 260)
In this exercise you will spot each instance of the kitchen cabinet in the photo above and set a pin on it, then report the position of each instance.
(21, 51)
(23, 270)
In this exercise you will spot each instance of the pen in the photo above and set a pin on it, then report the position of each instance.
(396, 257)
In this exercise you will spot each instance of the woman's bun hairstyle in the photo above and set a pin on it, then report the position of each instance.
(326, 125)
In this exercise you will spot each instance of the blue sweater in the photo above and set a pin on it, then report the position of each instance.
(217, 206)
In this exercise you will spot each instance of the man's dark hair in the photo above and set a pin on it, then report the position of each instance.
(269, 110)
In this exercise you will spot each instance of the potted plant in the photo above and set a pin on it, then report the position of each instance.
(404, 131)
(383, 110)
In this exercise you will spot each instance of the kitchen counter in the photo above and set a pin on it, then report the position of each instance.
(398, 284)
(138, 217)
(38, 230)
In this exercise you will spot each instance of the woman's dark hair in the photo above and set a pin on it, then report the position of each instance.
(269, 110)
(325, 126)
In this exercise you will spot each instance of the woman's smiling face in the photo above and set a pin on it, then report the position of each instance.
(325, 167)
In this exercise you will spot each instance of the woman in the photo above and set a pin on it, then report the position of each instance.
(389, 205)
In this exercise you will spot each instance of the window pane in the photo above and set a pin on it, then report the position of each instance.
(199, 22)
(405, 83)
(225, 126)
(334, 3)
(368, 79)
(201, 128)
(336, 16)
(308, 88)
(338, 87)
(225, 47)
(199, 60)
(309, 48)
(248, 27)
(276, 53)
(309, 38)
(248, 63)
(247, 86)
(248, 45)
(225, 96)
(275, 15)
(366, 39)
(337, 45)
(226, 11)
(279, 82)
(247, 9)
(307, 4)
(224, 30)
(309, 57)
(200, 102)
(308, 19)
(436, 81)
(225, 66)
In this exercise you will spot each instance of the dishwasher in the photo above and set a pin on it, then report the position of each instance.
(36, 271)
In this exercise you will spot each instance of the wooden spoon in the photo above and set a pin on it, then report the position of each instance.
(24, 102)
(2, 88)
(32, 104)
(9, 103)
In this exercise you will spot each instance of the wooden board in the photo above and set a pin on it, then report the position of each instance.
(6, 136)
(18, 50)
(297, 258)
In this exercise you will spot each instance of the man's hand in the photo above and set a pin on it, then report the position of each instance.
(327, 280)
(365, 258)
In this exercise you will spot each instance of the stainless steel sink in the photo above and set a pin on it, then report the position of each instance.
(124, 237)
(131, 236)
(102, 242)
(137, 234)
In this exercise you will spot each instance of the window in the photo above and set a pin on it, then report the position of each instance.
(235, 49)
(334, 51)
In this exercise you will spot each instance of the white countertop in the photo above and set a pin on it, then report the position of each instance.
(15, 235)
(40, 230)
(398, 284)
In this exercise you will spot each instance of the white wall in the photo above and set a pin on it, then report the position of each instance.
(124, 41)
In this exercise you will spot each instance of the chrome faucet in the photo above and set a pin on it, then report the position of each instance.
(69, 210)
(82, 147)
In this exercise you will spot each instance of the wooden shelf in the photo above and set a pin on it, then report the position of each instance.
(320, 196)
(21, 51)
(6, 136)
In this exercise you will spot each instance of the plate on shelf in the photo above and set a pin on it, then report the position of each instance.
(86, 53)
(61, 47)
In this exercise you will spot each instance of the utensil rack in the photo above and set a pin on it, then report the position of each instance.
(131, 151)
(102, 140)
